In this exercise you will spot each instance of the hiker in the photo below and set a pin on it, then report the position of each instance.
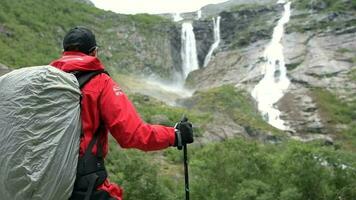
(106, 108)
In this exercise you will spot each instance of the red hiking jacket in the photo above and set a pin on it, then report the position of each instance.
(103, 100)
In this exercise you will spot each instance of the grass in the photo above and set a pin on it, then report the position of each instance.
(343, 50)
(149, 108)
(292, 66)
(326, 5)
(352, 74)
(31, 33)
(336, 113)
(236, 104)
(318, 20)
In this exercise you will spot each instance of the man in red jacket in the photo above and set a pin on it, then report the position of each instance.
(105, 107)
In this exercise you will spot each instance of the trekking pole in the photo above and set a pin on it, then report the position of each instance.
(186, 175)
(185, 157)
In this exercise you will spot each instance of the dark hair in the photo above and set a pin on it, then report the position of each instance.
(79, 39)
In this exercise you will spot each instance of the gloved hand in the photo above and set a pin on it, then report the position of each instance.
(184, 133)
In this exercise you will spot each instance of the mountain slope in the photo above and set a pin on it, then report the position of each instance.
(31, 33)
(319, 50)
(236, 155)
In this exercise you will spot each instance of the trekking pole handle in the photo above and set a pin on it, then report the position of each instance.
(178, 135)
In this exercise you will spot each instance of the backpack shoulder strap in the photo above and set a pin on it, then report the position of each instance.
(84, 77)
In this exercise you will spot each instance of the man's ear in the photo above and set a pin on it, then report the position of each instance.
(94, 53)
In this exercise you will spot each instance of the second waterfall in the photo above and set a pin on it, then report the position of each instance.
(275, 81)
(189, 50)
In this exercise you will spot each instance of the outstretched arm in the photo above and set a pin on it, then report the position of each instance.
(125, 124)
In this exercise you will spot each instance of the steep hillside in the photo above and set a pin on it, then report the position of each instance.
(319, 50)
(31, 33)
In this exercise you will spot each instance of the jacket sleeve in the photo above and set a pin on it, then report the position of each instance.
(125, 124)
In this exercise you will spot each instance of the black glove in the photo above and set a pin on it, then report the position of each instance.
(184, 133)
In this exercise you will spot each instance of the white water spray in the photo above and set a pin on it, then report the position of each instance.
(188, 50)
(216, 40)
(177, 17)
(275, 81)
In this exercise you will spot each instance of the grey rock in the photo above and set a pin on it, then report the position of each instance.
(88, 2)
(204, 36)
(324, 64)
(4, 69)
(316, 58)
(215, 9)
(300, 111)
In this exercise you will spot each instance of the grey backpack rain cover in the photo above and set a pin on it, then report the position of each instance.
(40, 128)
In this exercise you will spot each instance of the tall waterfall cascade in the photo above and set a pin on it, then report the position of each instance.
(216, 22)
(188, 50)
(275, 82)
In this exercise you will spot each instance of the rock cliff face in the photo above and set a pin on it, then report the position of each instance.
(319, 50)
(152, 49)
(244, 34)
(203, 30)
(320, 54)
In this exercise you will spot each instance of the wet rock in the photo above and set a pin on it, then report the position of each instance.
(176, 43)
(325, 61)
(204, 36)
(5, 31)
(245, 26)
(300, 111)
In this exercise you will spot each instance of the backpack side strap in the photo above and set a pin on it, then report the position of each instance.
(91, 170)
(84, 77)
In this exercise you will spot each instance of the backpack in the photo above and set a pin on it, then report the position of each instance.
(40, 130)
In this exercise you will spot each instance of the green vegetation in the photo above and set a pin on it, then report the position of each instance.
(235, 104)
(245, 170)
(149, 107)
(326, 5)
(353, 74)
(325, 15)
(338, 113)
(31, 33)
(239, 169)
(34, 29)
(343, 50)
(292, 66)
(135, 172)
(247, 7)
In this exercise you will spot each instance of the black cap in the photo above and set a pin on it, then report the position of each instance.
(81, 38)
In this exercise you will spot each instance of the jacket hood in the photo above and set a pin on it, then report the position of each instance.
(77, 61)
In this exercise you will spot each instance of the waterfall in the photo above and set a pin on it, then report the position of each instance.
(198, 14)
(188, 50)
(215, 45)
(275, 81)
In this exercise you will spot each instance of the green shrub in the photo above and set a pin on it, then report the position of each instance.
(242, 169)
